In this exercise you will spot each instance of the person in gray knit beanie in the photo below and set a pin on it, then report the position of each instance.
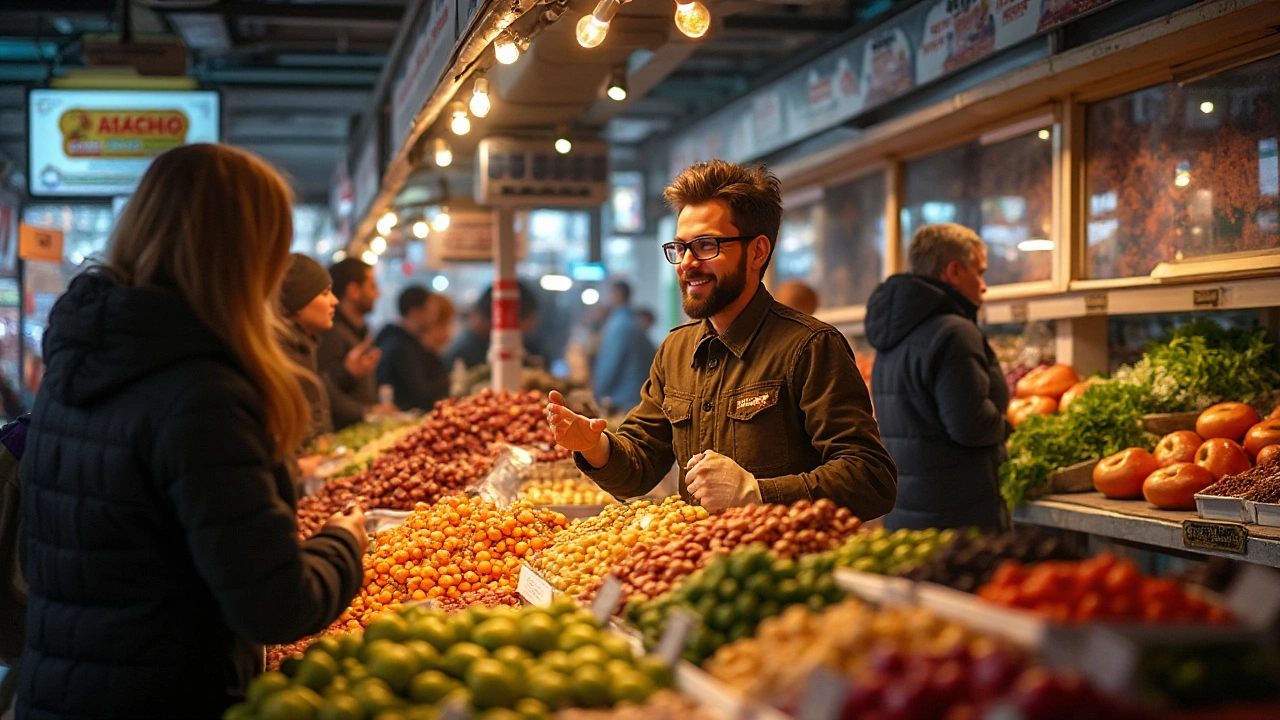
(307, 302)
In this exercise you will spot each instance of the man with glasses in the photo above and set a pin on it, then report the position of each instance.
(755, 402)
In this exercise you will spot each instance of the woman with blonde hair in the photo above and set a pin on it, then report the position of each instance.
(159, 519)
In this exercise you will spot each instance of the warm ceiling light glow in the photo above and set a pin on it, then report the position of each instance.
(563, 145)
(1035, 245)
(421, 229)
(369, 257)
(444, 156)
(339, 255)
(590, 296)
(1206, 107)
(1182, 179)
(441, 221)
(617, 85)
(506, 49)
(556, 283)
(480, 104)
(593, 28)
(378, 245)
(692, 18)
(1045, 134)
(386, 222)
(460, 124)
(439, 283)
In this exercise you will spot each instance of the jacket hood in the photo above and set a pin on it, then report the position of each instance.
(904, 301)
(103, 336)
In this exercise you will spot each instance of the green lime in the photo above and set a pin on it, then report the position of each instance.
(340, 685)
(788, 590)
(425, 652)
(374, 695)
(531, 709)
(557, 660)
(431, 686)
(741, 631)
(316, 670)
(459, 658)
(723, 617)
(588, 655)
(761, 584)
(353, 670)
(562, 606)
(500, 713)
(539, 632)
(387, 626)
(289, 704)
(631, 686)
(340, 707)
(785, 568)
(576, 635)
(867, 564)
(435, 630)
(265, 685)
(493, 683)
(551, 688)
(392, 662)
(495, 633)
(461, 624)
(747, 605)
(768, 609)
(728, 589)
(707, 605)
(616, 646)
(590, 687)
(331, 646)
(655, 669)
(241, 711)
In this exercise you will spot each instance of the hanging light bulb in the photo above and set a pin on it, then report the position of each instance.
(421, 229)
(692, 18)
(378, 245)
(386, 222)
(460, 124)
(563, 144)
(444, 156)
(617, 90)
(506, 48)
(441, 221)
(480, 104)
(369, 257)
(593, 28)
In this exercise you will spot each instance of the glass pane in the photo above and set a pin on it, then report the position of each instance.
(796, 256)
(1184, 172)
(1003, 190)
(853, 242)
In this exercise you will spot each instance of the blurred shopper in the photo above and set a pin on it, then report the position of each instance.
(797, 295)
(757, 402)
(307, 298)
(417, 376)
(346, 355)
(645, 320)
(441, 318)
(472, 344)
(159, 519)
(624, 357)
(939, 393)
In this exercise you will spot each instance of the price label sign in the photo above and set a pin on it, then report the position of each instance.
(37, 243)
(671, 645)
(533, 587)
(608, 597)
(1213, 535)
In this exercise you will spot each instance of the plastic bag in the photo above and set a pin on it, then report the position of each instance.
(502, 485)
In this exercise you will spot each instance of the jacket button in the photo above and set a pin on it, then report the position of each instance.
(706, 406)
(714, 363)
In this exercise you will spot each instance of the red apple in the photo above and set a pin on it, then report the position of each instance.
(1176, 447)
(1022, 408)
(1275, 413)
(1269, 454)
(1229, 420)
(1074, 392)
(1174, 487)
(1261, 435)
(1121, 475)
(1221, 456)
(1051, 381)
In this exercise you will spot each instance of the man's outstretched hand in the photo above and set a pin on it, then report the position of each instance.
(576, 432)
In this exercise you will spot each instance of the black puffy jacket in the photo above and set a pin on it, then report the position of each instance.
(161, 538)
(940, 398)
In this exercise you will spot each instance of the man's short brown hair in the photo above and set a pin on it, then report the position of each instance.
(753, 194)
(933, 247)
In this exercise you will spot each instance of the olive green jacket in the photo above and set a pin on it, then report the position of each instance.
(779, 393)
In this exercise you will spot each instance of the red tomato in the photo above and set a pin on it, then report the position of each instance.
(1022, 408)
(1221, 457)
(1176, 447)
(1174, 487)
(1121, 475)
(1261, 435)
(1074, 392)
(1226, 420)
(1051, 381)
(1269, 454)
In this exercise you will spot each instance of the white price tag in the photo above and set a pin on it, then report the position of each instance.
(824, 698)
(671, 645)
(607, 599)
(533, 588)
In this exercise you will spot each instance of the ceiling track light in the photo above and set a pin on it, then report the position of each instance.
(692, 18)
(386, 222)
(480, 104)
(593, 28)
(617, 87)
(507, 47)
(443, 154)
(460, 124)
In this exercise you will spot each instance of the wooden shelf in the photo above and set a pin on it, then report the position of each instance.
(1136, 521)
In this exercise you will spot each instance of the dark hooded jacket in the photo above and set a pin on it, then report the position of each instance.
(161, 537)
(416, 375)
(940, 398)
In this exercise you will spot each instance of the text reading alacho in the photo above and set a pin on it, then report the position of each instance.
(122, 133)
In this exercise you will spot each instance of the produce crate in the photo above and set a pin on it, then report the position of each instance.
(1213, 507)
(1021, 627)
(877, 589)
(1267, 514)
(699, 685)
(380, 519)
(1164, 423)
(1070, 479)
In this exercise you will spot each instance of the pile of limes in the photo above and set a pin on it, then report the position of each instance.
(500, 663)
(889, 553)
(567, 491)
(734, 592)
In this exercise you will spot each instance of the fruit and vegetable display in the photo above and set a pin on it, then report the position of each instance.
(1043, 391)
(1171, 674)
(575, 491)
(970, 560)
(363, 457)
(790, 531)
(359, 435)
(662, 705)
(890, 553)
(734, 593)
(1259, 484)
(456, 546)
(1102, 588)
(583, 553)
(1200, 368)
(452, 447)
(498, 662)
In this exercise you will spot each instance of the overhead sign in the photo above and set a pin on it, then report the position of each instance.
(100, 142)
(512, 172)
(37, 243)
(924, 43)
(423, 66)
(469, 238)
(367, 180)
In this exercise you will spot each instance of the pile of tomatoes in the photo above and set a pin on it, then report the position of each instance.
(1100, 588)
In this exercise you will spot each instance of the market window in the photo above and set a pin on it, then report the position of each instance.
(852, 258)
(1000, 186)
(796, 255)
(1178, 172)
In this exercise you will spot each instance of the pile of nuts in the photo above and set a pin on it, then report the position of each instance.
(1260, 483)
(585, 552)
(577, 491)
(649, 571)
(453, 447)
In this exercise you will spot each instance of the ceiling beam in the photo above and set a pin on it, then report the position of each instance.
(371, 12)
(787, 23)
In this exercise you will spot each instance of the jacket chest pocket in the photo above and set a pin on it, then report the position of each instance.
(678, 407)
(758, 427)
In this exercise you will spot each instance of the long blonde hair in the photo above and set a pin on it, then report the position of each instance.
(215, 223)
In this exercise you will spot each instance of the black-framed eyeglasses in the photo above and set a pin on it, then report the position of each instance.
(703, 247)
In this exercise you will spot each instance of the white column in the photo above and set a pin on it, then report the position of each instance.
(506, 352)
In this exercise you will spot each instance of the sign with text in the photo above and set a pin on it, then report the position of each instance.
(37, 243)
(513, 172)
(423, 66)
(100, 142)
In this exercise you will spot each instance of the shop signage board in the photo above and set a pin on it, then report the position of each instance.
(1214, 535)
(923, 44)
(469, 238)
(37, 243)
(429, 55)
(98, 143)
(366, 179)
(514, 172)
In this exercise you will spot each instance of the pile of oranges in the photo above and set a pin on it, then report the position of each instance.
(458, 545)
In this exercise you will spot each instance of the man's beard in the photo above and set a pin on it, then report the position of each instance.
(724, 291)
